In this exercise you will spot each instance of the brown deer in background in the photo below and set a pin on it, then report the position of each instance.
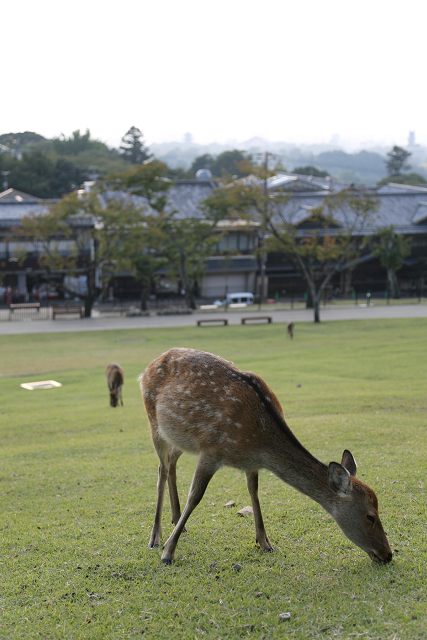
(291, 329)
(115, 379)
(199, 403)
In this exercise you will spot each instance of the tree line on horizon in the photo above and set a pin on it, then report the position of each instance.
(52, 168)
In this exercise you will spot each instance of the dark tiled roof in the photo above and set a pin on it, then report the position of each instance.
(403, 207)
(12, 196)
(184, 198)
(402, 210)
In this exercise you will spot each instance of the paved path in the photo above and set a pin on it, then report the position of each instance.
(301, 315)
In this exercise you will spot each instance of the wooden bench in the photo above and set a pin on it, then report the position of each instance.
(223, 320)
(268, 318)
(67, 310)
(24, 306)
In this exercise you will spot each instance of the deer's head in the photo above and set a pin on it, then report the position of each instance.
(355, 509)
(114, 397)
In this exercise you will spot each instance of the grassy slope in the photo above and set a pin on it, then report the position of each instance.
(77, 491)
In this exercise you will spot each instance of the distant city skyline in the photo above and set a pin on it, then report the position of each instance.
(297, 73)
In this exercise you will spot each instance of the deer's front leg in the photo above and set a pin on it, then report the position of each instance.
(261, 535)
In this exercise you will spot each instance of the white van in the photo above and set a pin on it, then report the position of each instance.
(236, 298)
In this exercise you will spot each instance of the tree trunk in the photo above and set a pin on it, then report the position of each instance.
(316, 309)
(144, 298)
(88, 302)
(309, 303)
(190, 300)
(92, 292)
(392, 282)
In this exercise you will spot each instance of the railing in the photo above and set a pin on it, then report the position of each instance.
(178, 306)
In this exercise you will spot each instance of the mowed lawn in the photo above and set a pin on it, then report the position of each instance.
(78, 491)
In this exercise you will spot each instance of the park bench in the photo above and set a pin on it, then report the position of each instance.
(223, 320)
(268, 318)
(24, 306)
(67, 310)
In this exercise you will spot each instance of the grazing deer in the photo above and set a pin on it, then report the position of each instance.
(199, 403)
(115, 379)
(291, 329)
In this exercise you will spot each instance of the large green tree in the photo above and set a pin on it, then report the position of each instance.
(233, 163)
(184, 244)
(392, 248)
(32, 174)
(333, 232)
(149, 182)
(133, 148)
(81, 236)
(332, 235)
(73, 145)
(397, 161)
(160, 238)
(67, 177)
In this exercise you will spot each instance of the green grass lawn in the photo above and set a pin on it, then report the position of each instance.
(78, 491)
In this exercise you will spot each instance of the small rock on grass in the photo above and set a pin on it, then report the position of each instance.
(237, 567)
(246, 511)
(284, 616)
(230, 503)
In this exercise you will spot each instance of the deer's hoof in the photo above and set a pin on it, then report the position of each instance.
(167, 561)
(153, 545)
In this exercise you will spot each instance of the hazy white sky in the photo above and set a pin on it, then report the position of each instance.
(224, 70)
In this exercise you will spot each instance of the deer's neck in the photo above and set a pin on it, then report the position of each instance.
(297, 467)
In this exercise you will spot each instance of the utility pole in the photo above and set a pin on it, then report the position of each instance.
(263, 258)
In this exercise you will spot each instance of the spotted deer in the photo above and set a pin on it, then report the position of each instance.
(115, 380)
(199, 403)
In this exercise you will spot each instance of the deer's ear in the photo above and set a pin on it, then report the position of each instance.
(349, 463)
(339, 479)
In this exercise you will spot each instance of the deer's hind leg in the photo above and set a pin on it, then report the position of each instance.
(174, 454)
(260, 532)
